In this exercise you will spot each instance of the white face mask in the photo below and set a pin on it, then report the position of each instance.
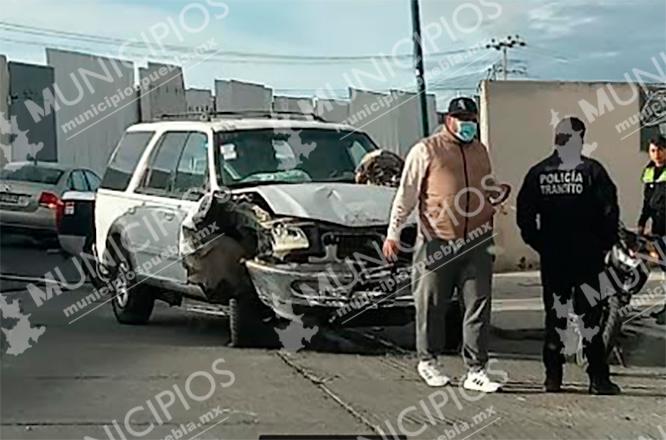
(465, 131)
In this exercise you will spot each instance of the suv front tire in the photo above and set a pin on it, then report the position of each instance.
(250, 323)
(132, 303)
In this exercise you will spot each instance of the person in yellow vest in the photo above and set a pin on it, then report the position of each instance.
(654, 189)
(654, 199)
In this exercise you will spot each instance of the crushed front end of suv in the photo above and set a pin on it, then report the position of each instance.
(277, 229)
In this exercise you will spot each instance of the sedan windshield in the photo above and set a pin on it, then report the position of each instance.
(30, 173)
(290, 156)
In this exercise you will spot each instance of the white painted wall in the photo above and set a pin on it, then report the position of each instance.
(86, 139)
(516, 125)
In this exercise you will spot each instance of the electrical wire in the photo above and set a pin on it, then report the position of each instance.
(235, 55)
(536, 51)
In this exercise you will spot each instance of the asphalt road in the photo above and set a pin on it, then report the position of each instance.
(94, 378)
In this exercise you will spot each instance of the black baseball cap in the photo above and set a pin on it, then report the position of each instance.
(462, 105)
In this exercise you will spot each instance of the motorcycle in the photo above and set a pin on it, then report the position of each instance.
(627, 265)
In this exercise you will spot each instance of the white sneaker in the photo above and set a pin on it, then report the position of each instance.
(430, 372)
(479, 381)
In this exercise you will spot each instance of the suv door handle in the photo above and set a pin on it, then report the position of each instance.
(132, 210)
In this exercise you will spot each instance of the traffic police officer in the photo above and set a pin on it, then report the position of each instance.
(567, 211)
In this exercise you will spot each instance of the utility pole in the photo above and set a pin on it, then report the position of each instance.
(419, 65)
(504, 45)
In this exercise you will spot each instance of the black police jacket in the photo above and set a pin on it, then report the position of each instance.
(570, 215)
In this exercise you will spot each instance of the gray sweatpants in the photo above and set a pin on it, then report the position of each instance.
(440, 268)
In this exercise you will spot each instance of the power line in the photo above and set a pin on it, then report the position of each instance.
(238, 55)
(437, 84)
(504, 45)
(558, 58)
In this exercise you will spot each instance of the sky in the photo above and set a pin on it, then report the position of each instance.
(586, 40)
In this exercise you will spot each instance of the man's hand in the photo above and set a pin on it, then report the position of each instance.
(499, 196)
(390, 250)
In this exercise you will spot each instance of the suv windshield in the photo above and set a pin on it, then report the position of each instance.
(290, 156)
(30, 173)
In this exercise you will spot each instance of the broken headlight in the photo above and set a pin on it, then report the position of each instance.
(288, 238)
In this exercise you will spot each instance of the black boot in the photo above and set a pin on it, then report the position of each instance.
(602, 386)
(553, 383)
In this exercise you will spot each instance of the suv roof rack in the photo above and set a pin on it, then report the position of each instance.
(211, 115)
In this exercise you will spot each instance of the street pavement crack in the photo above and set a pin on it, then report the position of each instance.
(321, 384)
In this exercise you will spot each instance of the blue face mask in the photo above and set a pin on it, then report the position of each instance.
(467, 131)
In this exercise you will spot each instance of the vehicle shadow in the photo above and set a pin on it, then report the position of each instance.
(25, 241)
(637, 350)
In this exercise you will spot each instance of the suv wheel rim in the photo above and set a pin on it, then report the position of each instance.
(122, 289)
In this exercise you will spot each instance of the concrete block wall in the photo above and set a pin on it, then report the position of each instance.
(162, 91)
(96, 101)
(333, 110)
(30, 87)
(393, 120)
(199, 100)
(242, 96)
(295, 105)
(5, 149)
(372, 113)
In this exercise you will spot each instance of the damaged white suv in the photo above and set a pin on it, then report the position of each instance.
(261, 214)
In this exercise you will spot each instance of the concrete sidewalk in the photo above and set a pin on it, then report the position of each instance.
(516, 291)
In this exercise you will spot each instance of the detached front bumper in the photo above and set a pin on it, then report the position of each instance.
(336, 292)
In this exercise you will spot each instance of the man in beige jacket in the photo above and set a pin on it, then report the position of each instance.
(448, 177)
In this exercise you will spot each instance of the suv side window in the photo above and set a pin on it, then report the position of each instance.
(124, 160)
(192, 172)
(160, 172)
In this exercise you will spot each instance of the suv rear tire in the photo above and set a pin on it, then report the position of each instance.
(132, 305)
(247, 326)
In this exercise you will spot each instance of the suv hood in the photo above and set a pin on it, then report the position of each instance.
(344, 204)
